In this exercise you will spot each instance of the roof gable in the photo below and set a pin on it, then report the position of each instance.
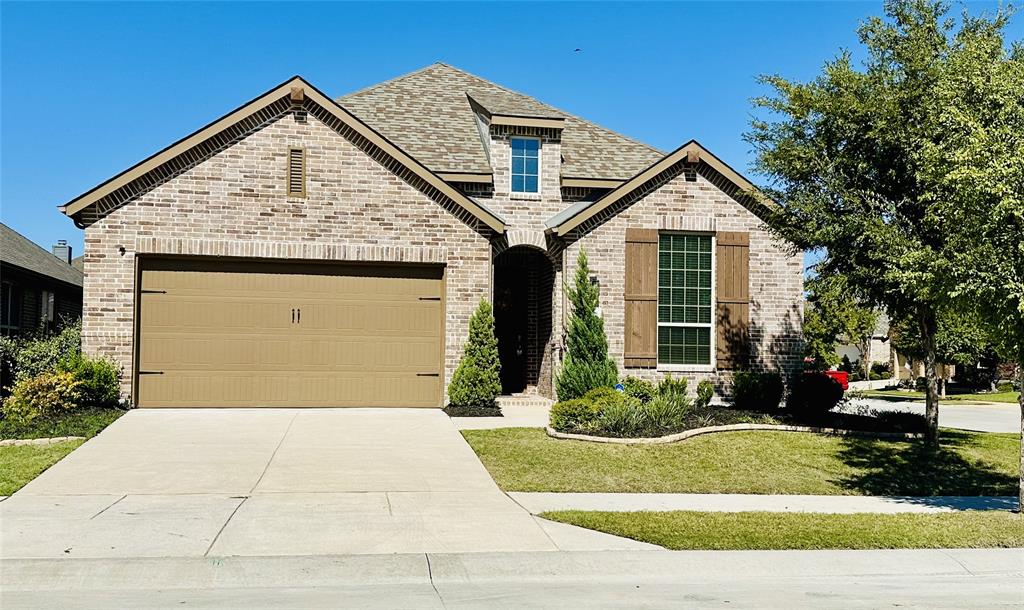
(571, 218)
(429, 113)
(18, 250)
(221, 132)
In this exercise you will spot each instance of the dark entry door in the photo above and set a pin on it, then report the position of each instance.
(511, 313)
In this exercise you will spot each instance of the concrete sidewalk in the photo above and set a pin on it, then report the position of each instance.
(963, 578)
(539, 502)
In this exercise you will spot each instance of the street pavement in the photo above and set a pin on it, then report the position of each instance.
(987, 417)
(964, 578)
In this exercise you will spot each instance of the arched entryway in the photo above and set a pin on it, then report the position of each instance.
(523, 286)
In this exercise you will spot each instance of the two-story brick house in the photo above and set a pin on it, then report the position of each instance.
(304, 251)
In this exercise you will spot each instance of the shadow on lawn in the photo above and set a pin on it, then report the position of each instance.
(913, 468)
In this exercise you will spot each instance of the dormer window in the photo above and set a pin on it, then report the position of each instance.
(525, 165)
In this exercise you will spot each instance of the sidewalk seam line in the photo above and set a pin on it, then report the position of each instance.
(221, 530)
(274, 454)
(108, 507)
(430, 576)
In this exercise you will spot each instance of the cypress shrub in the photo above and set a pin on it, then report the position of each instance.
(476, 382)
(586, 365)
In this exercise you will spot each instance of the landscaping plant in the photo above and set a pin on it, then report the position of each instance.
(812, 394)
(757, 391)
(705, 392)
(477, 382)
(45, 395)
(586, 365)
(641, 389)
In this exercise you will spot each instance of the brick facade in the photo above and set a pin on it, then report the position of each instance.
(689, 201)
(234, 204)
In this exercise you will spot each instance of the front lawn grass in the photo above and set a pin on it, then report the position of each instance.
(82, 422)
(967, 397)
(758, 462)
(19, 464)
(688, 530)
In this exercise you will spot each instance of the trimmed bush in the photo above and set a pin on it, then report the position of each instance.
(1004, 386)
(98, 380)
(757, 391)
(639, 389)
(705, 392)
(812, 394)
(43, 395)
(477, 382)
(576, 415)
(586, 365)
(607, 412)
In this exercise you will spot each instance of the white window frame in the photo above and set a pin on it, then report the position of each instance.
(47, 306)
(712, 347)
(540, 156)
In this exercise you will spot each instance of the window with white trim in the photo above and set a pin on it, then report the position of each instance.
(685, 299)
(46, 303)
(525, 165)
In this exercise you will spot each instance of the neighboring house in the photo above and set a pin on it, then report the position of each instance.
(40, 289)
(881, 349)
(304, 251)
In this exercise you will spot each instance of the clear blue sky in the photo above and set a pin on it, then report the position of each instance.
(90, 89)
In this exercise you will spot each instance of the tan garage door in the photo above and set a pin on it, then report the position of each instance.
(245, 334)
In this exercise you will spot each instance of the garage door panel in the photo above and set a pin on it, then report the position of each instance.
(223, 334)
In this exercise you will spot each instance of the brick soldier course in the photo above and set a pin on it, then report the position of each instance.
(226, 197)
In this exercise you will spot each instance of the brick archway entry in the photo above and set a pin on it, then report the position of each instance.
(523, 287)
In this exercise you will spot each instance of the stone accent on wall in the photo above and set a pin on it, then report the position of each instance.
(235, 203)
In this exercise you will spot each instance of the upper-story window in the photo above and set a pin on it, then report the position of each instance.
(525, 165)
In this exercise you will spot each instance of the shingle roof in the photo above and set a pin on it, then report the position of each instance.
(428, 114)
(18, 250)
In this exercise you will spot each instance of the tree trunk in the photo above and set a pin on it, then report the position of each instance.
(927, 322)
(1020, 400)
(865, 358)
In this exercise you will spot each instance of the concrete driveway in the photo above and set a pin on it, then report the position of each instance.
(195, 482)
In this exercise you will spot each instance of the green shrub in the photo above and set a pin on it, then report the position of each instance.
(665, 414)
(705, 392)
(921, 384)
(477, 381)
(886, 374)
(671, 387)
(586, 365)
(98, 380)
(757, 391)
(640, 389)
(43, 395)
(575, 415)
(621, 417)
(1004, 386)
(812, 394)
(873, 376)
(36, 355)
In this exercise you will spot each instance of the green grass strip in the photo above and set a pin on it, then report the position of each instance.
(688, 530)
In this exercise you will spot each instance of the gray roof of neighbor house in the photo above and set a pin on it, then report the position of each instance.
(429, 114)
(18, 250)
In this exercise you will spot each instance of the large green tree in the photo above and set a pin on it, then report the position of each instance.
(977, 163)
(845, 155)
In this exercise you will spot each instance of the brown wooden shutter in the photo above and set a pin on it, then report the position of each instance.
(641, 298)
(733, 295)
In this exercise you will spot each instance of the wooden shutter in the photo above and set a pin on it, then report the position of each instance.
(641, 298)
(733, 299)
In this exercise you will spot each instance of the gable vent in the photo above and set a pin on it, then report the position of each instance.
(296, 172)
